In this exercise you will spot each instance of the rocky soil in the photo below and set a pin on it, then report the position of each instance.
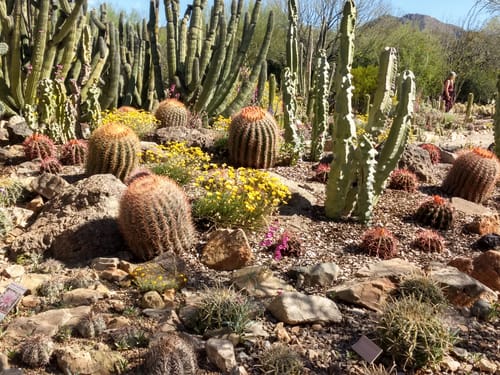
(92, 273)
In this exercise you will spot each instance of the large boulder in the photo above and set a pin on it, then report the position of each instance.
(78, 224)
(417, 160)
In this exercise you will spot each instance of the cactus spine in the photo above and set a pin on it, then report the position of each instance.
(113, 148)
(253, 138)
(155, 217)
(359, 163)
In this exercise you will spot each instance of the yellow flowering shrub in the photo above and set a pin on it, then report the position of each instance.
(240, 197)
(176, 160)
(151, 276)
(140, 121)
(222, 123)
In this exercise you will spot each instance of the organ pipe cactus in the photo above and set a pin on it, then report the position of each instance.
(358, 172)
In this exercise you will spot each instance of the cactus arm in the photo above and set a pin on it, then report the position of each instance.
(261, 83)
(171, 39)
(97, 66)
(15, 58)
(195, 33)
(208, 44)
(497, 119)
(366, 162)
(470, 104)
(68, 24)
(155, 54)
(110, 91)
(38, 51)
(70, 49)
(272, 93)
(320, 121)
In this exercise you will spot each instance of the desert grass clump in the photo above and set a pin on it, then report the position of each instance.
(378, 370)
(141, 122)
(50, 165)
(430, 241)
(171, 354)
(412, 332)
(91, 325)
(434, 152)
(238, 197)
(279, 359)
(403, 179)
(37, 350)
(11, 191)
(436, 213)
(223, 308)
(379, 242)
(424, 289)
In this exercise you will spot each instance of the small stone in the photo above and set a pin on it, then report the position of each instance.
(81, 297)
(116, 275)
(317, 327)
(450, 364)
(31, 301)
(487, 242)
(459, 352)
(481, 309)
(4, 362)
(118, 322)
(486, 365)
(152, 300)
(36, 204)
(105, 264)
(221, 353)
(227, 250)
(240, 370)
(281, 333)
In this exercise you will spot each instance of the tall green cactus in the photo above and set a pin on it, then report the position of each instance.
(357, 176)
(470, 104)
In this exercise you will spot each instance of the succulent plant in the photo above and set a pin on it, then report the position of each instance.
(51, 290)
(403, 179)
(50, 165)
(321, 172)
(429, 241)
(279, 359)
(37, 350)
(11, 191)
(436, 213)
(91, 325)
(380, 242)
(171, 354)
(473, 175)
(81, 279)
(412, 332)
(433, 150)
(113, 148)
(38, 146)
(155, 217)
(424, 289)
(253, 138)
(74, 152)
(5, 222)
(172, 113)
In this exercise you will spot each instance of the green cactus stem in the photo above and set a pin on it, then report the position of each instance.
(470, 104)
(320, 121)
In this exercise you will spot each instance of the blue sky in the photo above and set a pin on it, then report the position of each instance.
(449, 11)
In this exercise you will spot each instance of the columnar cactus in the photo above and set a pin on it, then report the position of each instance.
(436, 213)
(379, 242)
(74, 152)
(113, 148)
(38, 146)
(172, 113)
(171, 354)
(253, 138)
(470, 104)
(321, 106)
(403, 179)
(497, 119)
(155, 217)
(473, 175)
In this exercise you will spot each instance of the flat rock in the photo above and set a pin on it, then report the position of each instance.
(259, 281)
(227, 250)
(81, 297)
(322, 274)
(221, 353)
(32, 281)
(74, 359)
(299, 308)
(48, 185)
(393, 268)
(470, 208)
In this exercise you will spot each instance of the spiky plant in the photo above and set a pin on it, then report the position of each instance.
(424, 289)
(380, 242)
(378, 370)
(11, 190)
(81, 279)
(172, 354)
(5, 222)
(38, 146)
(434, 152)
(412, 332)
(51, 290)
(253, 138)
(403, 179)
(155, 217)
(37, 350)
(172, 113)
(50, 165)
(429, 241)
(436, 213)
(91, 325)
(473, 175)
(113, 148)
(279, 359)
(74, 152)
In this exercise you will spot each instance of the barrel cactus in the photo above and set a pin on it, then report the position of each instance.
(36, 351)
(113, 148)
(429, 241)
(50, 165)
(253, 138)
(91, 325)
(380, 242)
(436, 213)
(74, 152)
(473, 176)
(38, 146)
(403, 179)
(172, 113)
(155, 217)
(434, 152)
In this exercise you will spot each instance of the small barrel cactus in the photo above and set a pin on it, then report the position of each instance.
(380, 242)
(253, 138)
(434, 152)
(171, 354)
(155, 217)
(38, 146)
(172, 113)
(429, 241)
(74, 152)
(113, 148)
(11, 191)
(473, 175)
(403, 179)
(91, 325)
(37, 350)
(436, 213)
(50, 165)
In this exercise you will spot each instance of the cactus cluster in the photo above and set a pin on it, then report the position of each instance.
(429, 241)
(171, 354)
(172, 113)
(473, 175)
(91, 325)
(436, 213)
(39, 146)
(37, 350)
(155, 217)
(403, 179)
(253, 138)
(74, 152)
(5, 222)
(433, 151)
(50, 165)
(424, 289)
(113, 148)
(11, 190)
(379, 242)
